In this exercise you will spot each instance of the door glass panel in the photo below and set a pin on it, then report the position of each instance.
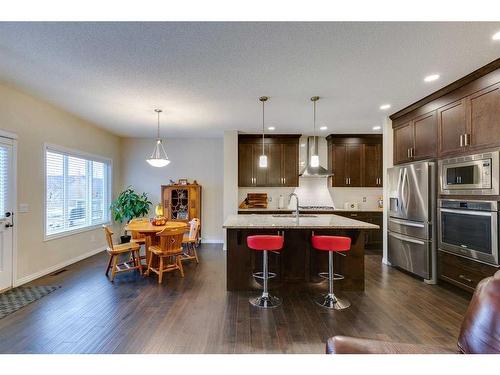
(4, 179)
(468, 231)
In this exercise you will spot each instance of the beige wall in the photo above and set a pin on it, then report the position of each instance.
(199, 159)
(36, 122)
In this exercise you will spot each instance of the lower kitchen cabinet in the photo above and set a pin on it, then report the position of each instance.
(373, 238)
(462, 272)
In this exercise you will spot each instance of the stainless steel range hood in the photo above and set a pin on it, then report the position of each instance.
(309, 171)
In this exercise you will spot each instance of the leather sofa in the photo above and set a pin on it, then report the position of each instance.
(479, 334)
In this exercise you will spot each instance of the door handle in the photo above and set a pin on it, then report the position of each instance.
(9, 225)
(408, 153)
(467, 139)
(406, 239)
(465, 278)
(461, 140)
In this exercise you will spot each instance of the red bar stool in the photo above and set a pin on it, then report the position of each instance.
(265, 243)
(332, 244)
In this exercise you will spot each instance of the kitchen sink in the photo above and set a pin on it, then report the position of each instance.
(293, 215)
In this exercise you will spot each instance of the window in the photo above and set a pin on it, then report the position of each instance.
(77, 191)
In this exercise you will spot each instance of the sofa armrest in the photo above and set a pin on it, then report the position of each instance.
(352, 345)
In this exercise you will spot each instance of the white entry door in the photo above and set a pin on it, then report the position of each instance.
(6, 211)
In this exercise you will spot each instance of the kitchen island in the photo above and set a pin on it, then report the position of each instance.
(298, 263)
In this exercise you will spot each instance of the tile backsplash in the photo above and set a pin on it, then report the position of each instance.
(316, 192)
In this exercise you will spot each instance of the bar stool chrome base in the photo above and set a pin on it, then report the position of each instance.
(330, 301)
(265, 302)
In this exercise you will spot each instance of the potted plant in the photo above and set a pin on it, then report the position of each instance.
(128, 206)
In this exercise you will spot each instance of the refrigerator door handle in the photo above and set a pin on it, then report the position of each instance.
(408, 224)
(406, 239)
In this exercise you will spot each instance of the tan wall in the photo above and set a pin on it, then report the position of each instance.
(200, 159)
(36, 122)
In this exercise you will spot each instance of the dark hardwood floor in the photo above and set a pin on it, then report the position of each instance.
(195, 314)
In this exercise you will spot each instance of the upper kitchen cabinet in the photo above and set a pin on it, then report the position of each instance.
(484, 118)
(415, 138)
(471, 123)
(459, 119)
(355, 160)
(452, 125)
(282, 158)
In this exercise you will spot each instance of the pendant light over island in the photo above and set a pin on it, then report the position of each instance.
(263, 157)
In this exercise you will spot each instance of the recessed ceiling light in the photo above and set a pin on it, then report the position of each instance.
(385, 106)
(377, 128)
(271, 128)
(431, 78)
(496, 36)
(323, 128)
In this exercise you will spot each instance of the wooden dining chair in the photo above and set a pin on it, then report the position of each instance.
(137, 237)
(190, 241)
(115, 251)
(168, 252)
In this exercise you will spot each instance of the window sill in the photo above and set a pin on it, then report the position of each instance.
(69, 233)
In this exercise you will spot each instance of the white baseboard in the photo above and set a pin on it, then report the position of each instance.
(36, 275)
(211, 241)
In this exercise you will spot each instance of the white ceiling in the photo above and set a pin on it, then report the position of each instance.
(207, 77)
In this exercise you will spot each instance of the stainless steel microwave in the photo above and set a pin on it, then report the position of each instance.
(470, 175)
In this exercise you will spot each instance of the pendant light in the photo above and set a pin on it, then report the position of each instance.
(159, 157)
(314, 157)
(263, 157)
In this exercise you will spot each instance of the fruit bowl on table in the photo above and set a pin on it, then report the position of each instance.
(159, 221)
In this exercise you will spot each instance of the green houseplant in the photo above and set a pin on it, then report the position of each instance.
(129, 205)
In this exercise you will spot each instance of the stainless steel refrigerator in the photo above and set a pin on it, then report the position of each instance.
(411, 219)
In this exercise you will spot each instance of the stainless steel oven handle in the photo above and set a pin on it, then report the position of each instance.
(402, 222)
(466, 212)
(406, 239)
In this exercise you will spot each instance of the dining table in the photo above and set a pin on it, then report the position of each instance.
(147, 229)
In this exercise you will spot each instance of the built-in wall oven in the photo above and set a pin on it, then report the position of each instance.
(470, 175)
(469, 228)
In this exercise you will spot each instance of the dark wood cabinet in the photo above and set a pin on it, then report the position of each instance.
(452, 125)
(290, 160)
(424, 134)
(462, 272)
(471, 123)
(282, 161)
(467, 119)
(484, 118)
(355, 160)
(245, 164)
(373, 165)
(415, 138)
(373, 238)
(403, 143)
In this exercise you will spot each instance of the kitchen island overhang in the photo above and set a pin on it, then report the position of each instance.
(298, 263)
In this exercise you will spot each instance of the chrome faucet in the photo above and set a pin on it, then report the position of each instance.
(296, 208)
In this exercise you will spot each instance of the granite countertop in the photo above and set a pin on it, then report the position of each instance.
(311, 210)
(262, 221)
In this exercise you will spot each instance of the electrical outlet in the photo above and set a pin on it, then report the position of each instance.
(364, 199)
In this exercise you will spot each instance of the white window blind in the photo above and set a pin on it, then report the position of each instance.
(77, 191)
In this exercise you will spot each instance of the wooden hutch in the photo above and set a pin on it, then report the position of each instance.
(182, 202)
